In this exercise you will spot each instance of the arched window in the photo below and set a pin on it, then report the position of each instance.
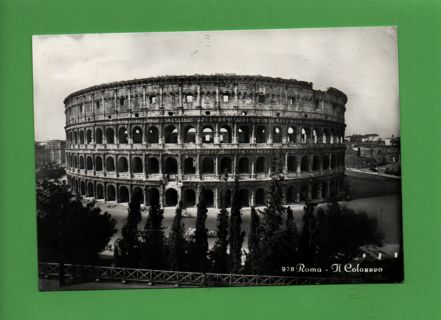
(243, 134)
(316, 163)
(207, 165)
(225, 134)
(123, 194)
(75, 162)
(171, 134)
(110, 164)
(261, 134)
(189, 198)
(152, 165)
(260, 165)
(137, 135)
(325, 162)
(123, 165)
(190, 135)
(260, 197)
(291, 194)
(89, 136)
(89, 163)
(81, 162)
(171, 166)
(76, 137)
(305, 163)
(83, 188)
(315, 191)
(171, 197)
(90, 189)
(243, 166)
(291, 135)
(207, 135)
(98, 136)
(292, 164)
(123, 136)
(98, 163)
(110, 136)
(137, 165)
(81, 137)
(304, 193)
(225, 165)
(138, 195)
(99, 191)
(153, 197)
(111, 194)
(189, 166)
(244, 198)
(152, 135)
(277, 135)
(208, 197)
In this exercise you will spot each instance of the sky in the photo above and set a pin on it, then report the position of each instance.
(361, 62)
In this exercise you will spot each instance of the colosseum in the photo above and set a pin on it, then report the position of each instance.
(169, 138)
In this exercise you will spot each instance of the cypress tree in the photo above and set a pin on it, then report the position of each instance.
(177, 241)
(252, 263)
(307, 245)
(236, 234)
(290, 240)
(219, 254)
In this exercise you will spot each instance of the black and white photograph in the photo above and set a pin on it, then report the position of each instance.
(217, 158)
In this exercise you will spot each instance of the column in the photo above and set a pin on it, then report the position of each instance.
(285, 165)
(144, 104)
(216, 166)
(179, 134)
(253, 161)
(234, 169)
(253, 197)
(160, 164)
(146, 196)
(253, 133)
(198, 133)
(235, 132)
(216, 197)
(216, 133)
(217, 98)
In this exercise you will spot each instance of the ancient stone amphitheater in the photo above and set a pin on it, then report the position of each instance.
(166, 139)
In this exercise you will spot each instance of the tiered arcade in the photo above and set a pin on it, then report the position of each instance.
(171, 137)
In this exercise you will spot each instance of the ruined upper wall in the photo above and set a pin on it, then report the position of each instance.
(205, 94)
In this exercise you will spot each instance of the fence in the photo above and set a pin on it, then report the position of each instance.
(167, 277)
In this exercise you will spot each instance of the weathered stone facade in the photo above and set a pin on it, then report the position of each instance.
(172, 136)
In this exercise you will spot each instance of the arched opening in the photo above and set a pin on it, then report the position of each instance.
(136, 165)
(325, 162)
(291, 195)
(90, 189)
(123, 165)
(260, 165)
(89, 163)
(76, 137)
(315, 191)
(305, 164)
(260, 134)
(171, 134)
(189, 198)
(82, 188)
(89, 136)
(137, 135)
(207, 135)
(171, 197)
(138, 195)
(243, 166)
(225, 165)
(123, 194)
(333, 161)
(244, 199)
(111, 193)
(98, 136)
(244, 134)
(304, 193)
(152, 165)
(110, 164)
(110, 136)
(291, 135)
(99, 191)
(324, 190)
(303, 136)
(277, 135)
(189, 166)
(208, 197)
(123, 136)
(81, 137)
(315, 163)
(260, 197)
(190, 135)
(292, 164)
(154, 197)
(75, 162)
(81, 162)
(225, 134)
(207, 165)
(171, 166)
(152, 135)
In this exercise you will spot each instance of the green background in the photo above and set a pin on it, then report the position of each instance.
(419, 24)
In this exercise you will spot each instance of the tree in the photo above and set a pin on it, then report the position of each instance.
(154, 252)
(68, 230)
(177, 241)
(252, 262)
(127, 248)
(308, 236)
(219, 254)
(198, 248)
(236, 234)
(290, 239)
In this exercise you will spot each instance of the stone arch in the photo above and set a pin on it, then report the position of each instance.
(304, 193)
(110, 164)
(89, 163)
(81, 137)
(292, 164)
(261, 135)
(110, 136)
(137, 165)
(189, 198)
(207, 165)
(90, 189)
(89, 137)
(316, 163)
(123, 165)
(137, 135)
(243, 165)
(83, 188)
(171, 197)
(304, 166)
(243, 134)
(171, 134)
(153, 165)
(124, 194)
(154, 199)
(225, 165)
(99, 136)
(225, 134)
(277, 135)
(81, 162)
(152, 135)
(189, 166)
(207, 135)
(244, 198)
(208, 197)
(99, 191)
(291, 194)
(190, 134)
(260, 197)
(291, 134)
(123, 136)
(138, 195)
(170, 165)
(260, 165)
